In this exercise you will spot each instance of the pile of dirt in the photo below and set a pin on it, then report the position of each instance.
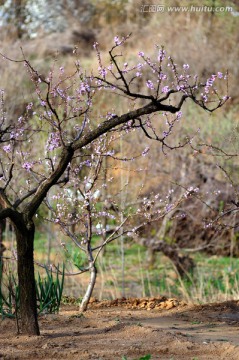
(147, 303)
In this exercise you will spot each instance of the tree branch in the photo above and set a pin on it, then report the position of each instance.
(65, 159)
(114, 121)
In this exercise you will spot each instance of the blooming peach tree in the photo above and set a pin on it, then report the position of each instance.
(60, 139)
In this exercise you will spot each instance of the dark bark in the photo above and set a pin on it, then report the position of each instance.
(25, 231)
(105, 126)
(28, 307)
(2, 247)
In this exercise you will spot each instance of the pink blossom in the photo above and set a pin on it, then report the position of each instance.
(84, 87)
(165, 89)
(161, 55)
(27, 165)
(116, 40)
(53, 141)
(29, 106)
(163, 76)
(145, 152)
(7, 148)
(226, 97)
(102, 71)
(179, 115)
(169, 207)
(149, 84)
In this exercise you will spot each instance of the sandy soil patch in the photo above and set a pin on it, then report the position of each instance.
(165, 328)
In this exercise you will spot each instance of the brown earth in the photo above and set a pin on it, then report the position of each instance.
(165, 328)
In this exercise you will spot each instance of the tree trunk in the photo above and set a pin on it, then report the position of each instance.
(20, 16)
(86, 298)
(26, 279)
(2, 248)
(151, 257)
(183, 263)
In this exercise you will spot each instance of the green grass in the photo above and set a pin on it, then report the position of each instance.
(146, 357)
(40, 243)
(48, 292)
(215, 278)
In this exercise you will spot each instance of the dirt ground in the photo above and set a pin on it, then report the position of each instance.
(165, 328)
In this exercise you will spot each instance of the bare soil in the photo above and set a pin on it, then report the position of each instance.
(165, 328)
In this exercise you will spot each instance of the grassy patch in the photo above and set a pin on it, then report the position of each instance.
(128, 274)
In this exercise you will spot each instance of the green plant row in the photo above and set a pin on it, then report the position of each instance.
(48, 293)
(146, 357)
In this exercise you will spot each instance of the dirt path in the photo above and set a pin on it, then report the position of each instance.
(110, 330)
